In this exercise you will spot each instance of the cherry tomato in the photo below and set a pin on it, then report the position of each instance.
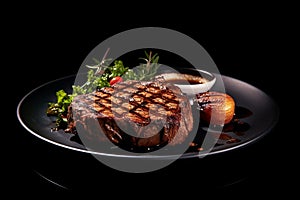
(115, 80)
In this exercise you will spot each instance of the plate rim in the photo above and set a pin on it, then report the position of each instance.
(177, 156)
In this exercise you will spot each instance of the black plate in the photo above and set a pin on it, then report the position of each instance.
(256, 115)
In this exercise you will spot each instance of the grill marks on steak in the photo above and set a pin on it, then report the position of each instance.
(154, 113)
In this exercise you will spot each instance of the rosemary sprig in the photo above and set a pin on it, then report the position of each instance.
(146, 71)
(100, 65)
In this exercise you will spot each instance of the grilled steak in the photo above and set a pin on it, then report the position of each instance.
(133, 113)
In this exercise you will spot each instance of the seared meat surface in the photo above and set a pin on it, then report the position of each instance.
(133, 113)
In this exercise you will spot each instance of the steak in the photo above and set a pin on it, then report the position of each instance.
(133, 113)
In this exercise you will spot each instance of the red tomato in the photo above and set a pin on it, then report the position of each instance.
(115, 80)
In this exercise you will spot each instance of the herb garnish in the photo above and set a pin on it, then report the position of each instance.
(100, 76)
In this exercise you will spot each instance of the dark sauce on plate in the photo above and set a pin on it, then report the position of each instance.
(232, 132)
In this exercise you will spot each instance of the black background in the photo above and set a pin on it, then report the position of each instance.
(247, 44)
